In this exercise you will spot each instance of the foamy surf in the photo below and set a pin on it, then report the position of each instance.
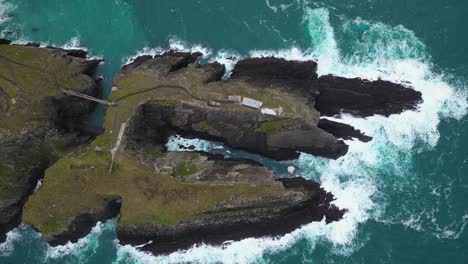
(381, 51)
(174, 44)
(86, 244)
(5, 10)
(7, 247)
(72, 44)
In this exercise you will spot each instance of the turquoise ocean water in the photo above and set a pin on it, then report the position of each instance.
(406, 190)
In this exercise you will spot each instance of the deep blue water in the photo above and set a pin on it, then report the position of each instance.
(406, 190)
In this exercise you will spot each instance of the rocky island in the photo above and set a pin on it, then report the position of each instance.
(167, 201)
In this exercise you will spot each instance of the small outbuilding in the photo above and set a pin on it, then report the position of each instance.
(268, 111)
(249, 102)
(214, 104)
(235, 99)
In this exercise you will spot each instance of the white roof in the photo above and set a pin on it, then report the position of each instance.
(268, 111)
(251, 103)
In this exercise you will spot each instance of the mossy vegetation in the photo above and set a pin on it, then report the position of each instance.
(205, 125)
(185, 168)
(29, 76)
(273, 126)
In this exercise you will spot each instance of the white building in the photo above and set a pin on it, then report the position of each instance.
(249, 102)
(268, 111)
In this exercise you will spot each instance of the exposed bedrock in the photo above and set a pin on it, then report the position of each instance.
(331, 95)
(37, 123)
(271, 216)
(275, 138)
(181, 90)
(363, 98)
(342, 131)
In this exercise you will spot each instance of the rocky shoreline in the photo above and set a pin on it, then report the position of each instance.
(178, 199)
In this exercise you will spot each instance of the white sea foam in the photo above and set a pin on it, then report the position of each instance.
(73, 44)
(88, 243)
(8, 246)
(5, 8)
(199, 145)
(174, 44)
(228, 58)
(38, 185)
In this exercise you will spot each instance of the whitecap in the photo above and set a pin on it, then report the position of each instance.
(7, 247)
(88, 243)
(174, 44)
(5, 9)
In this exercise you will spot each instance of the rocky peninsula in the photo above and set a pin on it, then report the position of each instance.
(38, 124)
(167, 201)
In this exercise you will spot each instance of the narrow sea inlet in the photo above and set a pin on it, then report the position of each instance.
(403, 190)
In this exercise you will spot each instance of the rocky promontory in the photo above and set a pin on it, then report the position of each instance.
(38, 123)
(167, 201)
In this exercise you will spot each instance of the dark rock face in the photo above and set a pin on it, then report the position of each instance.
(11, 209)
(342, 131)
(274, 71)
(184, 119)
(332, 95)
(82, 224)
(5, 41)
(299, 77)
(32, 44)
(363, 98)
(265, 218)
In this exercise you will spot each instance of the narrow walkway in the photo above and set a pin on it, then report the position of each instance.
(181, 88)
(87, 97)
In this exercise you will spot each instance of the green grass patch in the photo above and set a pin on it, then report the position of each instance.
(185, 168)
(273, 126)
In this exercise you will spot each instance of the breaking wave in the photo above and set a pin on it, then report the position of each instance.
(25, 239)
(5, 9)
(174, 44)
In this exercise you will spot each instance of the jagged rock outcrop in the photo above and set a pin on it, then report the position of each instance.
(364, 98)
(330, 95)
(342, 131)
(37, 122)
